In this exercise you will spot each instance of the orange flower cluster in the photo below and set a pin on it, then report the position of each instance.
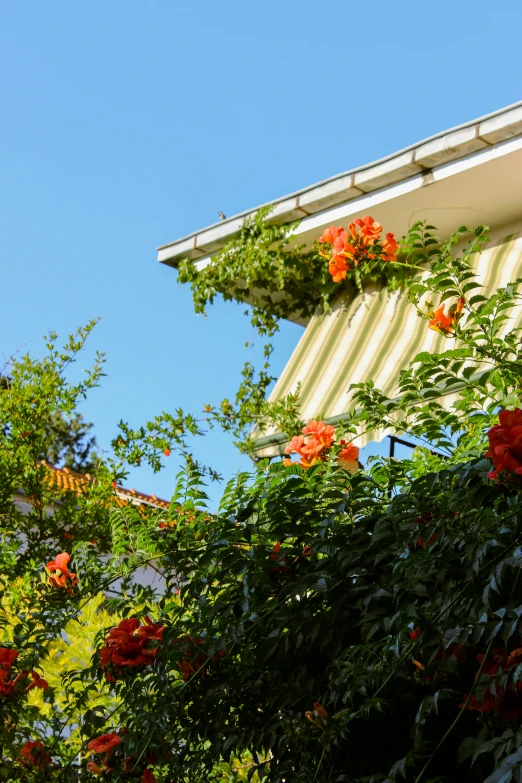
(507, 703)
(130, 646)
(35, 754)
(315, 443)
(445, 324)
(8, 683)
(505, 444)
(60, 578)
(194, 658)
(360, 243)
(349, 453)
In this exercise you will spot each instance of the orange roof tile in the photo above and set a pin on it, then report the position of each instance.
(67, 479)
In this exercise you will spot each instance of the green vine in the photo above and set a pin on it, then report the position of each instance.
(266, 267)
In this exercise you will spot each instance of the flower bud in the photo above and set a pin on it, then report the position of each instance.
(320, 710)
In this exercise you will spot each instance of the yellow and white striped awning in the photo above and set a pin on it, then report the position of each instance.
(372, 337)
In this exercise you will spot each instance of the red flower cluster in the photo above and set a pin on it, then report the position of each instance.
(505, 444)
(445, 324)
(284, 568)
(360, 243)
(7, 658)
(507, 703)
(130, 646)
(104, 745)
(319, 716)
(348, 455)
(315, 443)
(35, 754)
(60, 577)
(194, 658)
(7, 683)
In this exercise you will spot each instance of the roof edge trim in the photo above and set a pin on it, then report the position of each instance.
(451, 145)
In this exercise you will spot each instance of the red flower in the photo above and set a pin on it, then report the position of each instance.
(505, 443)
(390, 248)
(370, 230)
(35, 754)
(320, 711)
(425, 519)
(94, 768)
(507, 703)
(60, 576)
(349, 453)
(338, 268)
(319, 716)
(279, 569)
(415, 633)
(38, 682)
(445, 324)
(324, 433)
(167, 452)
(150, 630)
(7, 658)
(128, 626)
(105, 743)
(329, 235)
(440, 322)
(315, 447)
(148, 777)
(194, 658)
(361, 242)
(295, 445)
(128, 646)
(341, 254)
(515, 657)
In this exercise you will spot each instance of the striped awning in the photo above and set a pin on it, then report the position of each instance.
(372, 337)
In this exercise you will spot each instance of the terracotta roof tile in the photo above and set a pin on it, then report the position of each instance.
(67, 479)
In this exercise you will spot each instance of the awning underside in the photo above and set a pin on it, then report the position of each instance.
(373, 337)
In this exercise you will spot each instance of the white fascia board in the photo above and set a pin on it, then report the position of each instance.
(367, 202)
(437, 174)
(455, 144)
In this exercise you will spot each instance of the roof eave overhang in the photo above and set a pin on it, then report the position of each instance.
(420, 166)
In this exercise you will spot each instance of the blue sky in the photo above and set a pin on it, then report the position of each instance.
(126, 125)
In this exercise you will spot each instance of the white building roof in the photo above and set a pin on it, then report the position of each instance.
(470, 174)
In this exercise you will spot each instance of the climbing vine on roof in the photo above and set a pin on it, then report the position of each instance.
(267, 267)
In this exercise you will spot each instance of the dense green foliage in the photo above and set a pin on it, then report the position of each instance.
(321, 626)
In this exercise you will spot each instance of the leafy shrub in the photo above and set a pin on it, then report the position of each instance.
(326, 624)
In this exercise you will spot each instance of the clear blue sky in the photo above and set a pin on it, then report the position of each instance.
(127, 124)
